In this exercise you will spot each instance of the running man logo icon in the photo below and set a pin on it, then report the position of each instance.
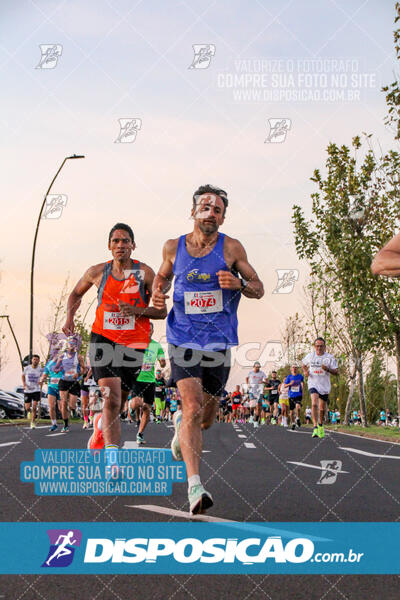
(203, 54)
(50, 55)
(330, 470)
(286, 280)
(278, 129)
(54, 206)
(128, 130)
(62, 547)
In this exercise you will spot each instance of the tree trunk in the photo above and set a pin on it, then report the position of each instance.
(352, 387)
(397, 344)
(361, 393)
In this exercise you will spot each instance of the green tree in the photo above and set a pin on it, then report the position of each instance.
(355, 211)
(375, 388)
(393, 90)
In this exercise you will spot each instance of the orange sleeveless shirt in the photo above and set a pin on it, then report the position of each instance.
(133, 331)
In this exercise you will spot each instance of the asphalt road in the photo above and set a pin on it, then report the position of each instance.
(264, 474)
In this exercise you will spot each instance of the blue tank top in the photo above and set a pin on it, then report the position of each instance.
(53, 377)
(203, 316)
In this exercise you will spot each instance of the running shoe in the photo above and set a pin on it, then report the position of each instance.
(273, 421)
(33, 425)
(321, 431)
(256, 424)
(53, 427)
(293, 426)
(96, 440)
(298, 422)
(85, 425)
(175, 446)
(315, 432)
(65, 429)
(140, 439)
(199, 499)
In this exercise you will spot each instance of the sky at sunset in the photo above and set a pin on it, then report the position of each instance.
(205, 124)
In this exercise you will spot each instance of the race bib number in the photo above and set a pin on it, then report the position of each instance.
(117, 321)
(158, 389)
(203, 302)
(147, 367)
(295, 388)
(54, 380)
(274, 391)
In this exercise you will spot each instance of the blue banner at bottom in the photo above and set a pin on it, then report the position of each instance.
(199, 548)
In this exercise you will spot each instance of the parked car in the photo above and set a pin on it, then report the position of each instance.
(10, 407)
(16, 395)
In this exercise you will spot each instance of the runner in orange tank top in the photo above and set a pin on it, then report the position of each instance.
(120, 332)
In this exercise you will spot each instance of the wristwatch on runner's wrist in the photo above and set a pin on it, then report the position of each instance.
(243, 284)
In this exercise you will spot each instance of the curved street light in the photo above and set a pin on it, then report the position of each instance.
(14, 336)
(34, 247)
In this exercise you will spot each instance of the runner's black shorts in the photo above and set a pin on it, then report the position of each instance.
(324, 397)
(84, 388)
(109, 359)
(212, 368)
(145, 390)
(72, 387)
(31, 397)
(294, 401)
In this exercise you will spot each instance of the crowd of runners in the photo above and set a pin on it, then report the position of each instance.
(210, 273)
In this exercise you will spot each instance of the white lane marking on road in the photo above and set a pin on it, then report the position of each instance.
(249, 445)
(204, 451)
(364, 453)
(242, 436)
(8, 444)
(163, 510)
(54, 434)
(132, 445)
(295, 431)
(238, 430)
(363, 437)
(37, 427)
(300, 464)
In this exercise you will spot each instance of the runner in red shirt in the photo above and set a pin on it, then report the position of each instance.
(120, 332)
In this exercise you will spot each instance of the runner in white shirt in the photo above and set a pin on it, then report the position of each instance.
(255, 381)
(318, 366)
(308, 415)
(32, 387)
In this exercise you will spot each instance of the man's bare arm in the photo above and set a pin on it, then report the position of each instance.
(163, 280)
(254, 287)
(387, 260)
(75, 297)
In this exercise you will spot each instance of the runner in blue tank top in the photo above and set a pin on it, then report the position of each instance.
(202, 324)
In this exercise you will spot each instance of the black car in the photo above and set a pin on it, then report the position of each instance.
(10, 407)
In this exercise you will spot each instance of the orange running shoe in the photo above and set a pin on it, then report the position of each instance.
(96, 440)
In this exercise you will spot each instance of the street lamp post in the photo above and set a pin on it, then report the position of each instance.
(14, 336)
(34, 248)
